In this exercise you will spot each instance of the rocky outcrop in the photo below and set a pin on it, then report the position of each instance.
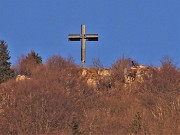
(93, 75)
(21, 78)
(139, 73)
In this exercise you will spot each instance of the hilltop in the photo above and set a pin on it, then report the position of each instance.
(59, 97)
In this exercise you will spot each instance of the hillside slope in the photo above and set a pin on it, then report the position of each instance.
(56, 99)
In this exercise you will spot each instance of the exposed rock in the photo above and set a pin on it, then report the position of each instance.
(93, 75)
(21, 78)
(104, 72)
(139, 73)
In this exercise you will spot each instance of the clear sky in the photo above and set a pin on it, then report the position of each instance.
(145, 30)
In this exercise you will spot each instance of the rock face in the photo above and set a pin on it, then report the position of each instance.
(133, 74)
(138, 73)
(21, 78)
(93, 75)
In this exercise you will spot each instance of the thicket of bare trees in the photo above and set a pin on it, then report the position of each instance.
(56, 100)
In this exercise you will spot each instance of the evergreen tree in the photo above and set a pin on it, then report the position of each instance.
(75, 126)
(5, 66)
(136, 126)
(29, 62)
(35, 57)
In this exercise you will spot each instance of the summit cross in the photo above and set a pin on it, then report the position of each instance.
(83, 37)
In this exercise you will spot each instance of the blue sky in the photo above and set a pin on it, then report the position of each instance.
(145, 30)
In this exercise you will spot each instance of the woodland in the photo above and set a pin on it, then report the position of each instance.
(57, 101)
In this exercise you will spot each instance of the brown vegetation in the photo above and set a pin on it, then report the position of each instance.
(55, 100)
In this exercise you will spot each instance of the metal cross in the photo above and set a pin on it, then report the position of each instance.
(83, 37)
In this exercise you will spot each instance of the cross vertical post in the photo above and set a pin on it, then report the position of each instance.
(83, 38)
(83, 45)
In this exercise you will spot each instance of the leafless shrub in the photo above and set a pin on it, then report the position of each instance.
(96, 63)
(118, 69)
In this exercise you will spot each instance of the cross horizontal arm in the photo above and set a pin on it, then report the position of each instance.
(91, 37)
(74, 37)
